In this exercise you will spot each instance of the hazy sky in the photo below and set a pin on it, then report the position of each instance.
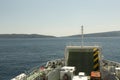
(59, 17)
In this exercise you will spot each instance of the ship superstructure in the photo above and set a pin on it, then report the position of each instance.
(85, 59)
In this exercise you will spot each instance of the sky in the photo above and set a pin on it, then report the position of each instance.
(59, 17)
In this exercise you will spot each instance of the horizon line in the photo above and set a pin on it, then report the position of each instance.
(51, 35)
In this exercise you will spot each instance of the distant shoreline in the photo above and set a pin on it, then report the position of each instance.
(25, 36)
(103, 34)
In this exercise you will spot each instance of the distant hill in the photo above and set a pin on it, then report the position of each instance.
(24, 36)
(103, 34)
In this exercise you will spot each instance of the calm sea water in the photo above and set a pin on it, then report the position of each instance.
(20, 55)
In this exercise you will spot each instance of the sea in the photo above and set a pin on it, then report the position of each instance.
(19, 55)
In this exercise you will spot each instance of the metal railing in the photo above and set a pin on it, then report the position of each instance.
(84, 44)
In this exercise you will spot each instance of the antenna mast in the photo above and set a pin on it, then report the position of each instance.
(82, 34)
